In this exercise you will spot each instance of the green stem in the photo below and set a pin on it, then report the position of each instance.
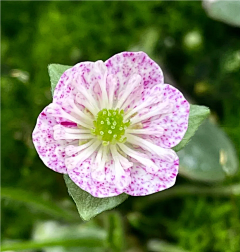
(39, 203)
(162, 246)
(115, 232)
(179, 191)
(90, 242)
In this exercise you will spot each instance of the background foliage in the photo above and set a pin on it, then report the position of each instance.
(201, 54)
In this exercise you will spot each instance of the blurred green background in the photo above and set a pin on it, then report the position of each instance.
(200, 54)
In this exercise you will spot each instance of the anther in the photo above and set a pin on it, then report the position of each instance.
(109, 126)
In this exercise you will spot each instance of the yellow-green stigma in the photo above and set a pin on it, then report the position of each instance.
(109, 126)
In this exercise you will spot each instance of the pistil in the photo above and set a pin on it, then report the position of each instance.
(110, 127)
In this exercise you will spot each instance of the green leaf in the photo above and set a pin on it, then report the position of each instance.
(37, 202)
(55, 72)
(89, 206)
(210, 155)
(225, 11)
(196, 117)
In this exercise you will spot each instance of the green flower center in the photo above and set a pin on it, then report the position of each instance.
(109, 126)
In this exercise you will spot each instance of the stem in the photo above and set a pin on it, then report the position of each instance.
(179, 191)
(90, 242)
(115, 232)
(162, 246)
(34, 200)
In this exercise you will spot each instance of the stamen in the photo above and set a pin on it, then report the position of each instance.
(99, 155)
(155, 130)
(139, 107)
(162, 108)
(109, 126)
(134, 96)
(149, 165)
(154, 96)
(124, 162)
(134, 82)
(83, 101)
(79, 112)
(71, 130)
(112, 83)
(73, 149)
(89, 100)
(98, 173)
(84, 154)
(101, 70)
(57, 111)
(64, 133)
(120, 176)
(61, 135)
(167, 154)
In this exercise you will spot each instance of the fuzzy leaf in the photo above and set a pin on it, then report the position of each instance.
(225, 11)
(89, 206)
(210, 155)
(196, 117)
(55, 71)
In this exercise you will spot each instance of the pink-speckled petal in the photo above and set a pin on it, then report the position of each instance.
(145, 183)
(51, 152)
(81, 76)
(131, 93)
(108, 186)
(126, 64)
(175, 124)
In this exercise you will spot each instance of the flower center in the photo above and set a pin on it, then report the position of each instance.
(109, 126)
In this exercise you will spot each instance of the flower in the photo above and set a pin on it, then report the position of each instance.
(111, 127)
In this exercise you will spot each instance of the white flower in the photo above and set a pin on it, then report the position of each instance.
(111, 126)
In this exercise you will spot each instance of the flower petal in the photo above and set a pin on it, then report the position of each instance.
(51, 152)
(131, 93)
(65, 87)
(145, 183)
(82, 79)
(107, 184)
(126, 64)
(175, 123)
